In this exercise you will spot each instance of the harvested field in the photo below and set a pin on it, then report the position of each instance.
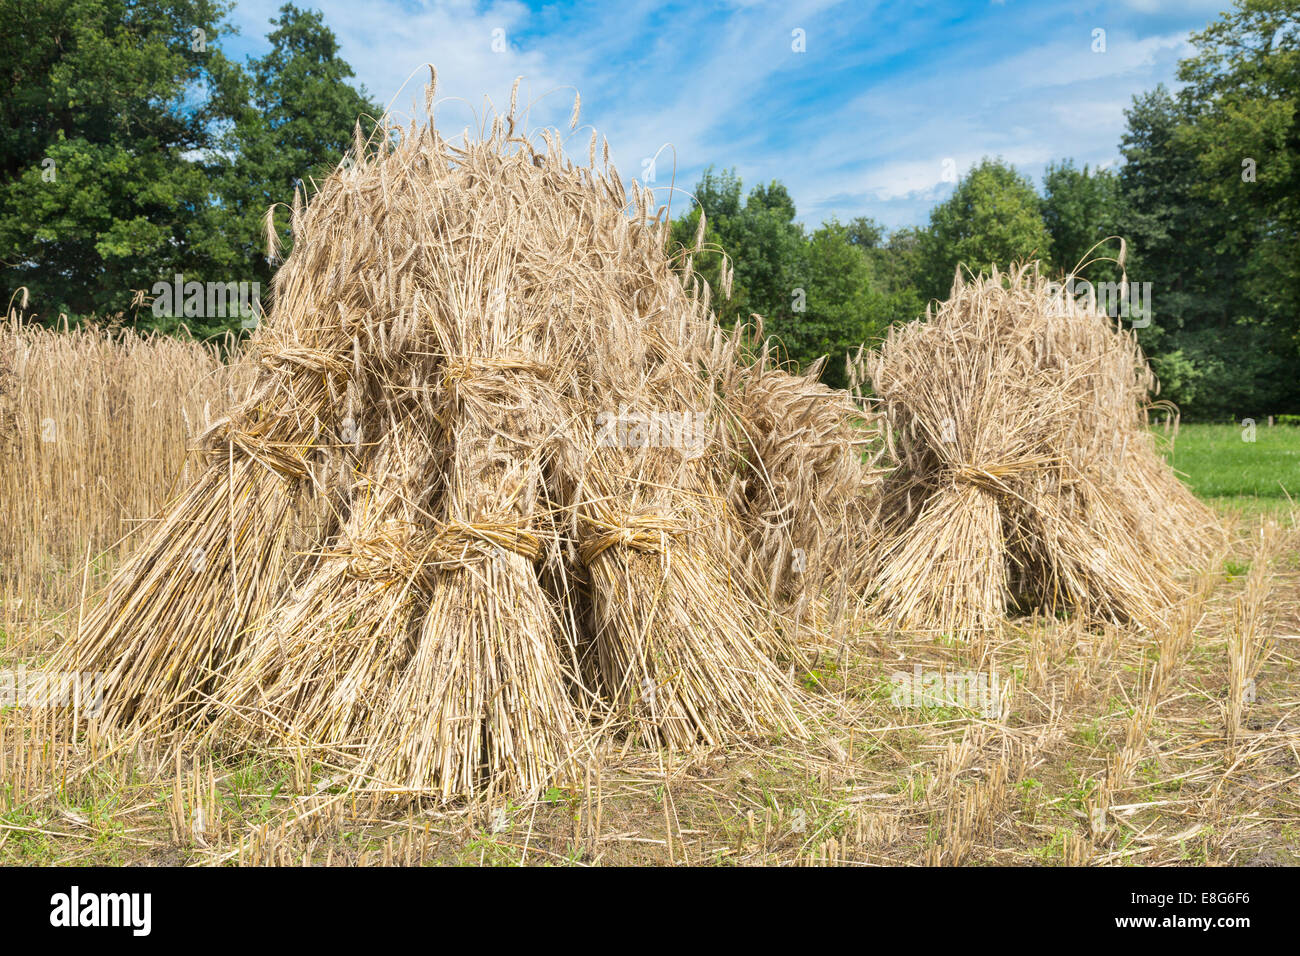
(1111, 748)
(496, 548)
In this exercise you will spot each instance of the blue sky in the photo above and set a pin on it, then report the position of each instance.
(885, 99)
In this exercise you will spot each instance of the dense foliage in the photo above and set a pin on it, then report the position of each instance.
(134, 150)
(1207, 200)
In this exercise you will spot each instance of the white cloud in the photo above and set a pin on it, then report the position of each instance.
(729, 89)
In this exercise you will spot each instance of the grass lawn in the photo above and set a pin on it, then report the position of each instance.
(1218, 462)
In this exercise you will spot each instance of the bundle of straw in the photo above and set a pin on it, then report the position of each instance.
(1026, 476)
(426, 558)
(804, 457)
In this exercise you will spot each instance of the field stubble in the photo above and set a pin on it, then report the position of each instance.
(1180, 744)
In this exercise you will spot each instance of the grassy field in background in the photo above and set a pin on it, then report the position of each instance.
(1219, 463)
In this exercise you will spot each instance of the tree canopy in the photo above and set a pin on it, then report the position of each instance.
(1206, 201)
(134, 149)
(993, 217)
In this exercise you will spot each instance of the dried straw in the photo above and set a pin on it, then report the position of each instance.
(1027, 477)
(421, 564)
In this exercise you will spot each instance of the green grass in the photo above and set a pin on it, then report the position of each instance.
(1218, 462)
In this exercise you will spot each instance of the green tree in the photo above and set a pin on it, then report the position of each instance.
(107, 100)
(865, 233)
(1221, 250)
(295, 124)
(1081, 207)
(818, 294)
(992, 218)
(135, 150)
(1170, 236)
(899, 270)
(837, 306)
(1242, 126)
(760, 238)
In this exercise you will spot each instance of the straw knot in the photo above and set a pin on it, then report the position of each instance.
(642, 532)
(384, 557)
(396, 554)
(280, 458)
(996, 477)
(311, 359)
(456, 373)
(457, 541)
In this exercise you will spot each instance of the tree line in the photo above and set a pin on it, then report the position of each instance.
(1206, 198)
(134, 150)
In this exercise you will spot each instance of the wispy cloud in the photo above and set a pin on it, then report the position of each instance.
(855, 106)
